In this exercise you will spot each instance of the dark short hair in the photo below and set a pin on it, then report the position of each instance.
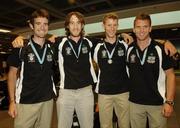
(67, 21)
(38, 13)
(143, 16)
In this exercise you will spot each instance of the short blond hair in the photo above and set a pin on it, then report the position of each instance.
(113, 16)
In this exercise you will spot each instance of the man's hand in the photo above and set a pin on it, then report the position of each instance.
(127, 38)
(18, 42)
(12, 110)
(169, 48)
(52, 38)
(167, 110)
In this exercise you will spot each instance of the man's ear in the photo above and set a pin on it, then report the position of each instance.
(31, 26)
(103, 26)
(150, 29)
(67, 26)
(134, 30)
(83, 26)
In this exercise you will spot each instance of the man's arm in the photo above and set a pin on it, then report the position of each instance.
(18, 42)
(170, 92)
(53, 38)
(127, 38)
(12, 77)
(169, 48)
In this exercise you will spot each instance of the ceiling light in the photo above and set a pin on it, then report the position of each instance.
(2, 52)
(174, 29)
(4, 30)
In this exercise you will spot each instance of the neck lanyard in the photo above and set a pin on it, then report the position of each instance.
(110, 54)
(79, 49)
(144, 56)
(142, 61)
(40, 60)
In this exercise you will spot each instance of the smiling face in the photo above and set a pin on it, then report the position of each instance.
(110, 26)
(75, 26)
(40, 27)
(142, 27)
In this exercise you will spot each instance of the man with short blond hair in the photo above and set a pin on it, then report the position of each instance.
(112, 85)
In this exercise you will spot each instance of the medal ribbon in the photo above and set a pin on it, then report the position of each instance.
(142, 61)
(79, 49)
(110, 55)
(36, 53)
(144, 56)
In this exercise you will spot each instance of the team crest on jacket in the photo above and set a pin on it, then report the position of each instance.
(103, 54)
(31, 57)
(68, 51)
(151, 59)
(133, 58)
(84, 50)
(49, 57)
(120, 52)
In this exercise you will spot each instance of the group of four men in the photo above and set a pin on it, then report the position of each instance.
(136, 74)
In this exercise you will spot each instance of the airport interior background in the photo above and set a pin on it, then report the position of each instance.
(13, 22)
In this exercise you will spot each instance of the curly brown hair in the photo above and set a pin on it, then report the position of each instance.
(67, 21)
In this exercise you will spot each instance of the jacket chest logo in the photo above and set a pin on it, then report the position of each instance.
(84, 50)
(120, 52)
(68, 51)
(31, 58)
(132, 58)
(49, 58)
(151, 59)
(103, 54)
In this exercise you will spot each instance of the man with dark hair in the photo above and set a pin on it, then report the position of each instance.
(152, 87)
(31, 91)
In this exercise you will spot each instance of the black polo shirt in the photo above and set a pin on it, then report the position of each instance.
(75, 72)
(112, 77)
(35, 83)
(148, 80)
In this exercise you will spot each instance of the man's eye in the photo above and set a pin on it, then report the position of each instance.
(37, 23)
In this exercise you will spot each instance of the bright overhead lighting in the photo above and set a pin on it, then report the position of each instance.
(174, 29)
(4, 30)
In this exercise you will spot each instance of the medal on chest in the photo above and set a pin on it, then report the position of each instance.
(110, 54)
(110, 61)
